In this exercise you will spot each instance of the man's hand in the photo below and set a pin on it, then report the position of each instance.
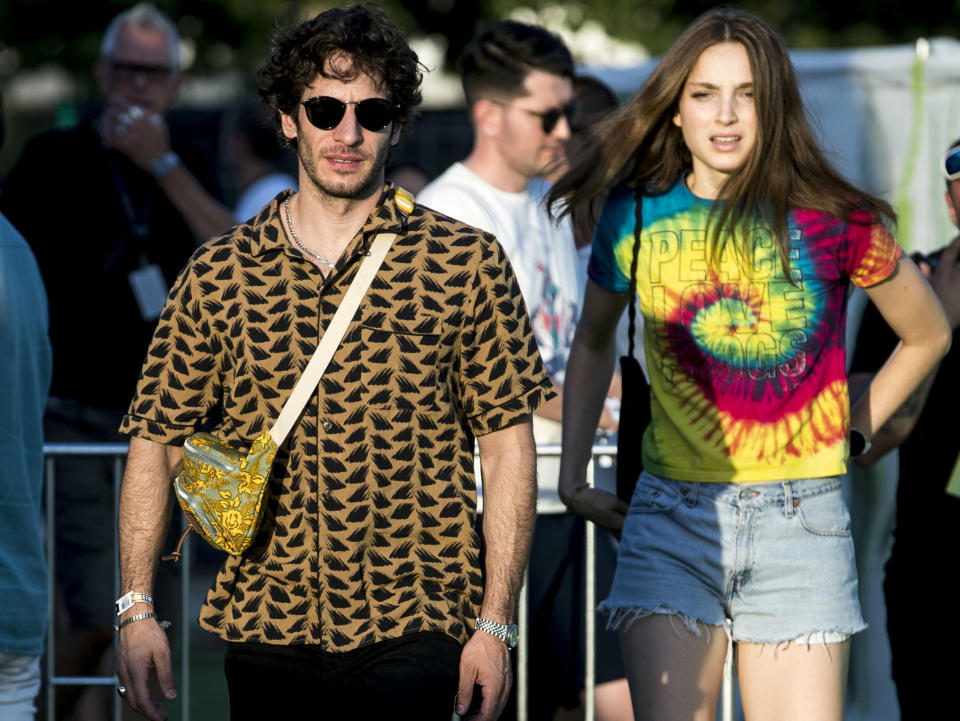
(144, 648)
(137, 133)
(485, 663)
(945, 281)
(605, 509)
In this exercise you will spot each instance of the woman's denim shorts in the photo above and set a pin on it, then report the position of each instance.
(772, 562)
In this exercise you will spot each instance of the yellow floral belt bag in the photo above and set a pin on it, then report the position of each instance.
(222, 490)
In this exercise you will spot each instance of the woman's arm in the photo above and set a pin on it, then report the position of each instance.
(911, 308)
(587, 379)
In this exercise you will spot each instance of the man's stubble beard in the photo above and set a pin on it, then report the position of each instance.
(344, 189)
(531, 166)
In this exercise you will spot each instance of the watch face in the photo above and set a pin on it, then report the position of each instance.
(513, 636)
(858, 442)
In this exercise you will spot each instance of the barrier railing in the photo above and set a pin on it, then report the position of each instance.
(118, 452)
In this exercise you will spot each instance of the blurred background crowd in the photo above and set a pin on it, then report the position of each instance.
(884, 96)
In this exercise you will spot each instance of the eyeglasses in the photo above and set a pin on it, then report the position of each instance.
(550, 118)
(951, 164)
(152, 73)
(373, 114)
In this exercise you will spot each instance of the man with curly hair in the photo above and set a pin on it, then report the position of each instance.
(365, 592)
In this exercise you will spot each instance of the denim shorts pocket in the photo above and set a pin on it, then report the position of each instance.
(824, 514)
(653, 495)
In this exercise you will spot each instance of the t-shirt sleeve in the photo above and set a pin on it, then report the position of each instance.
(457, 202)
(181, 376)
(871, 252)
(499, 376)
(615, 220)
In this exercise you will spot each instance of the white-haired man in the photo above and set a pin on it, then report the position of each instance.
(111, 211)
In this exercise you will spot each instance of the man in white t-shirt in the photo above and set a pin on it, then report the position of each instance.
(518, 83)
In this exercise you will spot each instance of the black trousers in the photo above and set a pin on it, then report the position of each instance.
(920, 594)
(413, 677)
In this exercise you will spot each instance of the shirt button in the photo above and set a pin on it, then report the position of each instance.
(327, 493)
(327, 425)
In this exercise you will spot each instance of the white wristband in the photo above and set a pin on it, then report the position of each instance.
(129, 599)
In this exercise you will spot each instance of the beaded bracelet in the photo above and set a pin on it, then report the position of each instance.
(141, 617)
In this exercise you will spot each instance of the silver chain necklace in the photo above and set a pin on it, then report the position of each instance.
(293, 234)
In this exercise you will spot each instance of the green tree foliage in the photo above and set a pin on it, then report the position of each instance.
(234, 33)
(803, 23)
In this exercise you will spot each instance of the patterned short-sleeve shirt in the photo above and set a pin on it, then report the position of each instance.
(369, 530)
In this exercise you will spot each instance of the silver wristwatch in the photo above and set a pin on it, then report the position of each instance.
(163, 164)
(858, 442)
(509, 633)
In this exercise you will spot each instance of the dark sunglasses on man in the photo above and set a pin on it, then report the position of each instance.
(373, 114)
(127, 71)
(951, 163)
(550, 118)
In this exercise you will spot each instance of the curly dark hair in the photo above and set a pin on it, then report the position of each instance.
(375, 46)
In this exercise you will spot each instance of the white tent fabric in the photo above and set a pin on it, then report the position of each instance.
(885, 116)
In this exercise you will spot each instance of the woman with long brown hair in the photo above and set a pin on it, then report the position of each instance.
(740, 241)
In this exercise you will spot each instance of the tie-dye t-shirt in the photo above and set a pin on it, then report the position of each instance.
(747, 369)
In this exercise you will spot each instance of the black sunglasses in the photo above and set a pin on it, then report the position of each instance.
(373, 114)
(550, 118)
(151, 72)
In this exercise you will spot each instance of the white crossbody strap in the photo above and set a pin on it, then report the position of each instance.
(331, 338)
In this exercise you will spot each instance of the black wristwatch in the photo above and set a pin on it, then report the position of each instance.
(858, 443)
(509, 633)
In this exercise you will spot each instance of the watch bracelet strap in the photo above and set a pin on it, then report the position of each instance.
(140, 617)
(497, 630)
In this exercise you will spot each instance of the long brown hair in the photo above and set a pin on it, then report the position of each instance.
(786, 169)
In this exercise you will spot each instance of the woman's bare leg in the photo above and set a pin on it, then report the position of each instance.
(798, 682)
(674, 674)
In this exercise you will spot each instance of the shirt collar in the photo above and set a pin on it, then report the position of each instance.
(265, 234)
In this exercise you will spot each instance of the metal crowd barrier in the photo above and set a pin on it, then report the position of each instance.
(118, 452)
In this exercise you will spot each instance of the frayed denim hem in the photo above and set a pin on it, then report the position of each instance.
(621, 618)
(814, 638)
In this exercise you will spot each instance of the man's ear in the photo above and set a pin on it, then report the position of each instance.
(487, 117)
(395, 134)
(289, 125)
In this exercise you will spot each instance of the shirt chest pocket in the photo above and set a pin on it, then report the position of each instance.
(399, 367)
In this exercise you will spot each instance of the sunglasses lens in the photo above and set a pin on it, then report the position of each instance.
(951, 164)
(374, 114)
(550, 118)
(324, 112)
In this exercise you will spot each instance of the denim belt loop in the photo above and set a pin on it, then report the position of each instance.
(788, 499)
(690, 491)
